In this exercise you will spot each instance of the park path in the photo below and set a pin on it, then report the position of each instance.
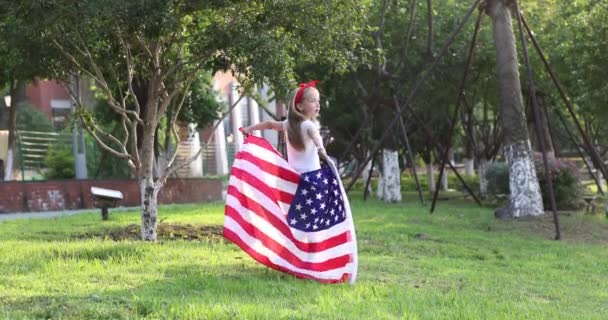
(54, 214)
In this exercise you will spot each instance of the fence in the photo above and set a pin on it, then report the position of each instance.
(32, 148)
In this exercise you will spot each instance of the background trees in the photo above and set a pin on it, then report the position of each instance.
(144, 56)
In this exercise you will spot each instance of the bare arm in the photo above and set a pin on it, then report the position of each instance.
(318, 141)
(264, 125)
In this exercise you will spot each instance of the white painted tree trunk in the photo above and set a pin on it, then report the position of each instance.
(391, 186)
(602, 184)
(525, 197)
(483, 181)
(444, 180)
(380, 190)
(149, 201)
(430, 175)
(147, 187)
(469, 167)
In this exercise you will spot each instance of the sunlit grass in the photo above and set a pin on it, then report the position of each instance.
(458, 263)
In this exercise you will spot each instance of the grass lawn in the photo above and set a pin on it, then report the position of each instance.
(459, 263)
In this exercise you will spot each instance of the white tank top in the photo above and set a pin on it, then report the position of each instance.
(308, 159)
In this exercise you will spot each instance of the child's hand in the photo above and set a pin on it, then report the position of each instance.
(245, 131)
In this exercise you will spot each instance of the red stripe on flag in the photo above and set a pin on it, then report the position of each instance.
(269, 168)
(253, 181)
(284, 252)
(261, 258)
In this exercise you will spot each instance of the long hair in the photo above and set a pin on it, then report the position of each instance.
(294, 121)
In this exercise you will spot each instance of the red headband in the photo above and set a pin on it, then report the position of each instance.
(303, 86)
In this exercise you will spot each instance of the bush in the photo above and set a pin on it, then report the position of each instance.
(566, 183)
(564, 175)
(497, 175)
(472, 182)
(60, 163)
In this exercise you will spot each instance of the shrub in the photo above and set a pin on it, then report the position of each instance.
(566, 183)
(497, 175)
(564, 175)
(30, 118)
(60, 163)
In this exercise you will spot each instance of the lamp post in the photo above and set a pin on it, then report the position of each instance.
(7, 104)
(12, 120)
(78, 143)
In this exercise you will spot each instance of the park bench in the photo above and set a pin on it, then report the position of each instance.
(104, 199)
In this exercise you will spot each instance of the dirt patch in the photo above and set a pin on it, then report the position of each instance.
(165, 231)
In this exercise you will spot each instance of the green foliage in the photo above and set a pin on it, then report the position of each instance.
(201, 105)
(59, 162)
(497, 175)
(566, 183)
(30, 118)
(101, 164)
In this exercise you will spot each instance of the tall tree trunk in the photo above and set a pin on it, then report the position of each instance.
(391, 186)
(366, 173)
(147, 187)
(525, 197)
(469, 152)
(483, 181)
(430, 175)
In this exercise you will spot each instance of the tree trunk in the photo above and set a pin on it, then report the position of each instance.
(149, 203)
(147, 187)
(469, 147)
(483, 181)
(366, 173)
(430, 175)
(444, 180)
(469, 167)
(391, 186)
(12, 127)
(380, 189)
(523, 184)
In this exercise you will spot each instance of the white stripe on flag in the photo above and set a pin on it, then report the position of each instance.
(256, 245)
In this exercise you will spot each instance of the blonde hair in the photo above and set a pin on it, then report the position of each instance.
(295, 119)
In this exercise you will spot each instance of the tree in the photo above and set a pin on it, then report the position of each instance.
(144, 56)
(525, 198)
(23, 57)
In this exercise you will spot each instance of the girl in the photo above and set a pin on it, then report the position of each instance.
(292, 216)
(304, 143)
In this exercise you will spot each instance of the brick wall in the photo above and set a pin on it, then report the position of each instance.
(76, 194)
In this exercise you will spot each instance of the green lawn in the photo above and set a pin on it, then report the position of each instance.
(459, 263)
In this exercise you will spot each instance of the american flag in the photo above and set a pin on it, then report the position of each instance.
(299, 224)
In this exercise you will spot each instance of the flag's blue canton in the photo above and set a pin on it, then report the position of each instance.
(318, 203)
